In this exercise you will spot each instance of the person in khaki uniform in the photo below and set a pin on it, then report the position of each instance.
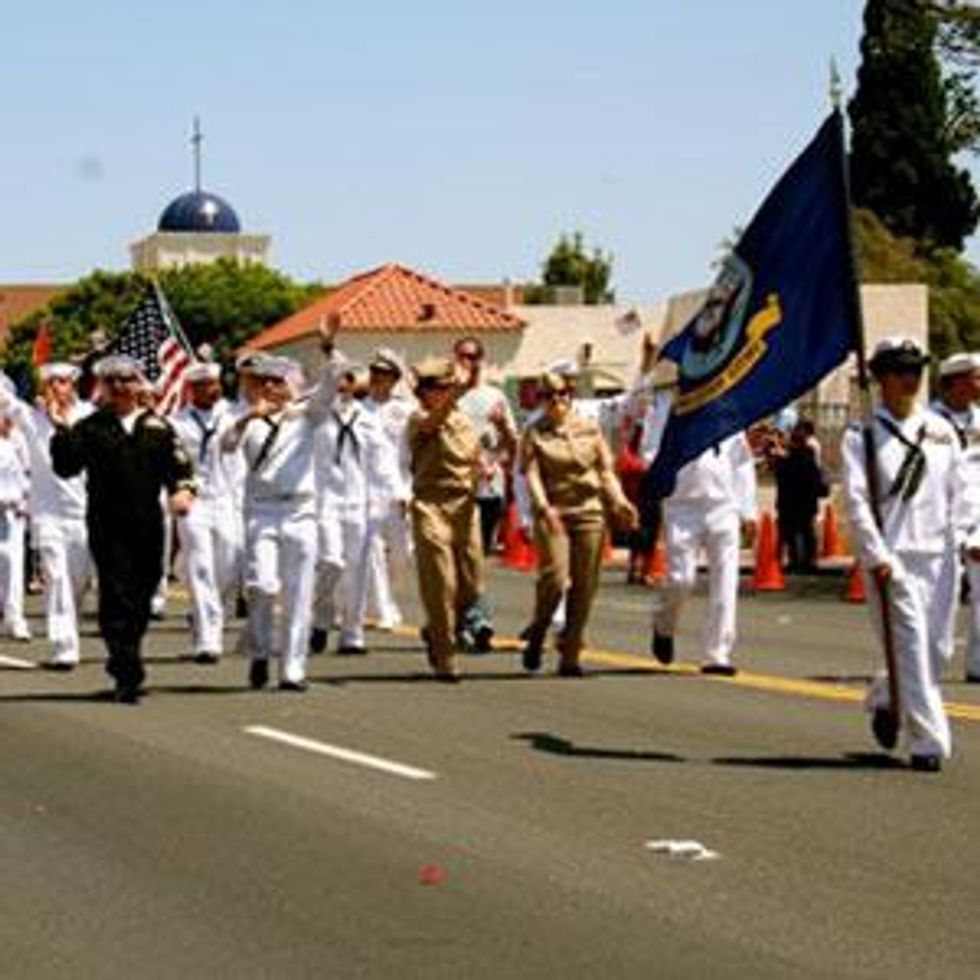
(444, 451)
(572, 483)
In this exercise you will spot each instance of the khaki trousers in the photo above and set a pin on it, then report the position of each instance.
(449, 563)
(568, 565)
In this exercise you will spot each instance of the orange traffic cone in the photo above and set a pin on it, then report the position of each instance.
(508, 531)
(855, 585)
(831, 545)
(768, 575)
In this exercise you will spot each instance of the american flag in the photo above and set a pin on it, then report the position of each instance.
(153, 336)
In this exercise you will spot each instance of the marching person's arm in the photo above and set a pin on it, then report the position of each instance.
(612, 490)
(179, 478)
(871, 547)
(654, 422)
(69, 447)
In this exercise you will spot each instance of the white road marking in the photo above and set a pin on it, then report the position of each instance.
(16, 662)
(337, 752)
(693, 850)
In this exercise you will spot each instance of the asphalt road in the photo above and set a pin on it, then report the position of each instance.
(382, 825)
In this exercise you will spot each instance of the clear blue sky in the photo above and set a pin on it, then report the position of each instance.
(459, 137)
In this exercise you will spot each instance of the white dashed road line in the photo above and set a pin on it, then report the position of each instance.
(342, 754)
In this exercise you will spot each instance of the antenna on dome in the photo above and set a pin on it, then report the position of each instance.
(196, 141)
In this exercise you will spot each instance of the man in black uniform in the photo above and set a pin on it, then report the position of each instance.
(128, 454)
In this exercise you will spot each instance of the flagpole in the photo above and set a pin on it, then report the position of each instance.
(164, 305)
(867, 414)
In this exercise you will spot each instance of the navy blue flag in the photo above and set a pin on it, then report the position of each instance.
(781, 314)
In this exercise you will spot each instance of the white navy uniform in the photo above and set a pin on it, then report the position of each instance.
(389, 537)
(714, 493)
(281, 525)
(357, 475)
(918, 530)
(967, 427)
(58, 531)
(211, 533)
(14, 486)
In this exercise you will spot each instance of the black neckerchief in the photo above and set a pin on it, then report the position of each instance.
(207, 433)
(909, 477)
(345, 431)
(266, 446)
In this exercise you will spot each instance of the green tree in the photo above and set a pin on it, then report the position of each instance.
(954, 285)
(907, 122)
(570, 264)
(225, 303)
(222, 304)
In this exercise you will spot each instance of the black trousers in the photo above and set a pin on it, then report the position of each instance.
(128, 561)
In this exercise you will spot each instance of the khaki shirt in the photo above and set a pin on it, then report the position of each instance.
(569, 467)
(444, 462)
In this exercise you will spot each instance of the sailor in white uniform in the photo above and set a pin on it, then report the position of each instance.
(389, 536)
(357, 475)
(14, 486)
(959, 394)
(713, 503)
(57, 510)
(276, 436)
(211, 533)
(919, 503)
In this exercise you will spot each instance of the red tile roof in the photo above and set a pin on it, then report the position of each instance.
(391, 298)
(18, 301)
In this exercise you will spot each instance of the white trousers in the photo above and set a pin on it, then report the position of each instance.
(914, 615)
(210, 545)
(389, 551)
(945, 602)
(341, 574)
(67, 568)
(688, 530)
(281, 546)
(973, 635)
(12, 528)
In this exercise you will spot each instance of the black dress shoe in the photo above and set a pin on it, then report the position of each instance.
(662, 647)
(567, 669)
(973, 678)
(884, 727)
(127, 694)
(719, 670)
(296, 687)
(446, 676)
(483, 639)
(318, 640)
(926, 763)
(206, 658)
(59, 666)
(258, 674)
(531, 655)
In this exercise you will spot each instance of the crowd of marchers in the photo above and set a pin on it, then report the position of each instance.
(304, 498)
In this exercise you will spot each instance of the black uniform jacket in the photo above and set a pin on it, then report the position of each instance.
(125, 471)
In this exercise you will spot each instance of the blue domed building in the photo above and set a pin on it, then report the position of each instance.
(197, 227)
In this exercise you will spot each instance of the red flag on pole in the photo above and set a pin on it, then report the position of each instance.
(41, 350)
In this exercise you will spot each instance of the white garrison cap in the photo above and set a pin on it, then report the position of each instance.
(961, 363)
(58, 369)
(247, 360)
(118, 366)
(268, 366)
(565, 367)
(202, 371)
